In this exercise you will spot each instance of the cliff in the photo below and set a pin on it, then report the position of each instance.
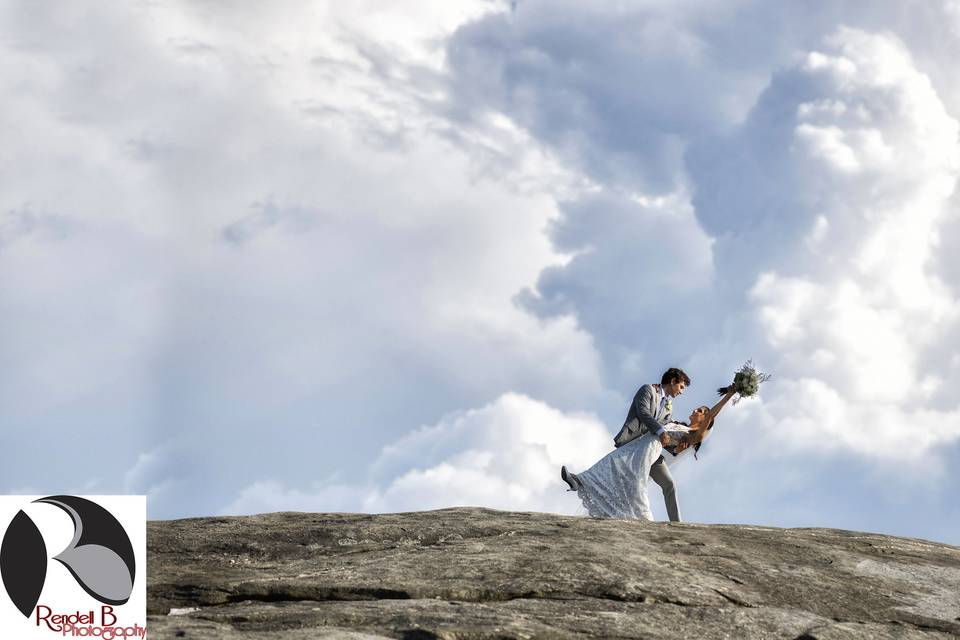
(478, 573)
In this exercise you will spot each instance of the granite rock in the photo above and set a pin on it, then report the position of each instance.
(478, 573)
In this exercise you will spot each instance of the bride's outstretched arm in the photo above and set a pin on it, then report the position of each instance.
(717, 407)
(698, 434)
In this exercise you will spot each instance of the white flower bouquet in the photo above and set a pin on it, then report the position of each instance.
(747, 381)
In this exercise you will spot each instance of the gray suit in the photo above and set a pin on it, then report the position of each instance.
(647, 415)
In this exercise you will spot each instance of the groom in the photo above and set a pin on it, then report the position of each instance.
(650, 410)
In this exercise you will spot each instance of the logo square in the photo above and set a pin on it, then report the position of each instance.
(73, 566)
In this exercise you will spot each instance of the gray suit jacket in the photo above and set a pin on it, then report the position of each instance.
(645, 415)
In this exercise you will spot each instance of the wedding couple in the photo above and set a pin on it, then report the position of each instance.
(649, 443)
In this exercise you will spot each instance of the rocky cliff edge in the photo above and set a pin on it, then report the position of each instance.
(478, 573)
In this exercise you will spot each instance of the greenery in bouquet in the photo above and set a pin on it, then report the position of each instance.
(747, 381)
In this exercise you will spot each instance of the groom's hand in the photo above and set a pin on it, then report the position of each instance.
(665, 439)
(683, 444)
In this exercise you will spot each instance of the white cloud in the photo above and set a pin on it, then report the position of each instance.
(259, 241)
(847, 324)
(813, 243)
(504, 455)
(156, 475)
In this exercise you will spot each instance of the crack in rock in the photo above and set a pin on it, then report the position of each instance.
(736, 601)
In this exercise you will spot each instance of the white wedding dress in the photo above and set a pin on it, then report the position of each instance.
(616, 486)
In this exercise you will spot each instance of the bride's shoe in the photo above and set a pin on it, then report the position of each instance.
(571, 479)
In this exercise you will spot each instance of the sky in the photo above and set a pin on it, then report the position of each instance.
(381, 257)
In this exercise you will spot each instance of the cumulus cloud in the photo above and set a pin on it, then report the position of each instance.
(619, 93)
(615, 90)
(801, 226)
(637, 278)
(505, 455)
(260, 241)
(846, 301)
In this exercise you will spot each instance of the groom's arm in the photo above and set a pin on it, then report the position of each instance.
(641, 404)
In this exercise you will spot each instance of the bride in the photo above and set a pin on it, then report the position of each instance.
(616, 486)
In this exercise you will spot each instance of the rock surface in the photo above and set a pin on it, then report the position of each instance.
(478, 573)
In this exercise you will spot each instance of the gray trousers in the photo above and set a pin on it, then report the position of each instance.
(660, 473)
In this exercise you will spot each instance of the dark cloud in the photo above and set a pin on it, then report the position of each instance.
(620, 91)
(24, 222)
(636, 281)
(594, 92)
(267, 216)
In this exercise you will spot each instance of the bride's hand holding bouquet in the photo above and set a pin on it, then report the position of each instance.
(746, 384)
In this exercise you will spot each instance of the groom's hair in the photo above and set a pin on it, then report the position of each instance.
(672, 374)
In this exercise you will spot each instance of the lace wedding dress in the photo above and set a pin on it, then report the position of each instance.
(616, 486)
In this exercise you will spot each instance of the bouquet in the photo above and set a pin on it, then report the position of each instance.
(747, 381)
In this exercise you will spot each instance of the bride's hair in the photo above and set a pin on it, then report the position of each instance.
(706, 409)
